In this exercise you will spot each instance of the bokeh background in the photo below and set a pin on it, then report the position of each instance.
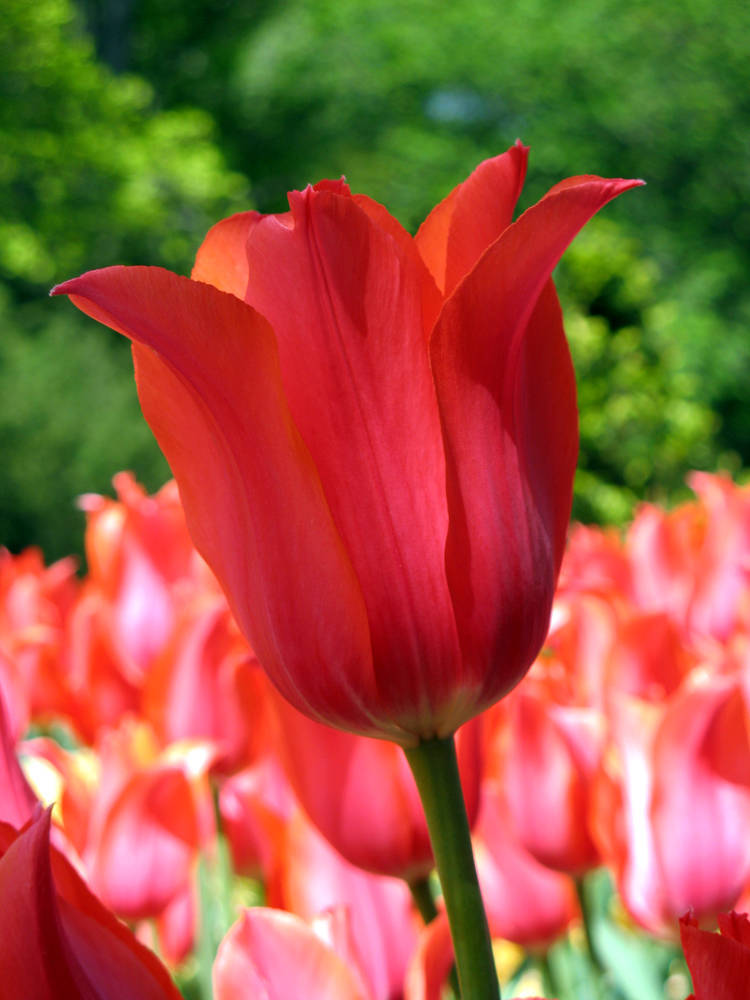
(127, 127)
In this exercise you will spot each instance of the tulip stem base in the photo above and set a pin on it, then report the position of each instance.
(435, 769)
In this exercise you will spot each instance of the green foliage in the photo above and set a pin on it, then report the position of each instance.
(69, 420)
(90, 175)
(643, 422)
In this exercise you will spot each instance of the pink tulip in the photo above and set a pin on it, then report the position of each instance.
(674, 830)
(314, 879)
(525, 902)
(277, 956)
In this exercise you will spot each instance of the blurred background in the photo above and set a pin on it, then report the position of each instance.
(127, 127)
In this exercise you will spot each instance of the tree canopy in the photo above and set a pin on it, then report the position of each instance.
(130, 126)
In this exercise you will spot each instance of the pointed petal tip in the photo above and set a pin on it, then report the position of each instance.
(72, 285)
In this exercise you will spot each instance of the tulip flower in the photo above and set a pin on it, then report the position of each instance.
(313, 879)
(718, 963)
(672, 827)
(150, 817)
(206, 684)
(56, 938)
(138, 551)
(551, 753)
(255, 806)
(361, 794)
(374, 438)
(693, 562)
(277, 955)
(35, 604)
(526, 902)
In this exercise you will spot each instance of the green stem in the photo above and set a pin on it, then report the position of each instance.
(422, 896)
(587, 921)
(435, 769)
(549, 980)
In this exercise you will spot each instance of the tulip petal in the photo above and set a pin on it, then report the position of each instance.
(457, 231)
(209, 384)
(708, 869)
(145, 852)
(30, 922)
(431, 964)
(56, 938)
(506, 392)
(272, 955)
(525, 902)
(348, 302)
(359, 793)
(221, 260)
(313, 879)
(547, 789)
(719, 965)
(17, 800)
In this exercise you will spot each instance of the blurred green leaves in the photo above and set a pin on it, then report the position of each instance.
(132, 162)
(90, 175)
(643, 421)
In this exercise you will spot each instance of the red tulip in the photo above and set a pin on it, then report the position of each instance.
(694, 562)
(139, 552)
(207, 685)
(718, 963)
(361, 794)
(374, 436)
(255, 806)
(148, 823)
(56, 939)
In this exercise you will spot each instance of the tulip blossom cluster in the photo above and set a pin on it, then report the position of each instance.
(165, 712)
(627, 746)
(373, 438)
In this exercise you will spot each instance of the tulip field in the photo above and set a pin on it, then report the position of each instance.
(409, 656)
(200, 808)
(348, 710)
